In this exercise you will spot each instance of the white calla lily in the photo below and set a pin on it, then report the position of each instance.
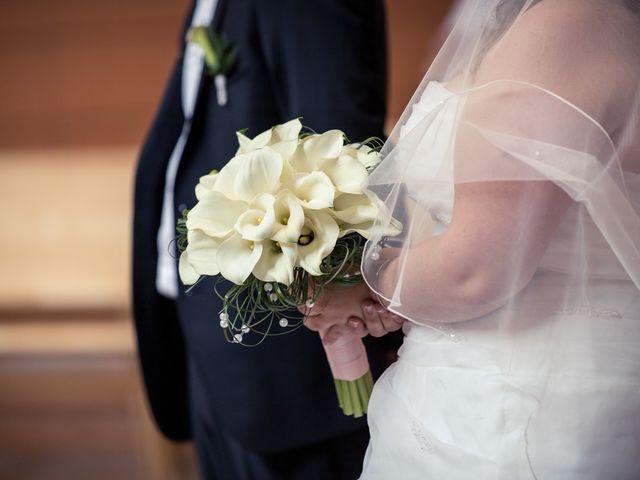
(236, 258)
(286, 149)
(317, 240)
(259, 222)
(207, 183)
(215, 214)
(363, 153)
(188, 274)
(247, 145)
(325, 145)
(346, 173)
(365, 229)
(287, 131)
(201, 253)
(379, 217)
(259, 172)
(289, 217)
(224, 180)
(315, 190)
(369, 229)
(354, 209)
(276, 262)
(300, 162)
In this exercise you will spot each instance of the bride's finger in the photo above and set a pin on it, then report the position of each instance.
(380, 321)
(315, 322)
(390, 320)
(357, 326)
(334, 333)
(372, 319)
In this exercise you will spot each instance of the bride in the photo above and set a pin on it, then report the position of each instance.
(515, 174)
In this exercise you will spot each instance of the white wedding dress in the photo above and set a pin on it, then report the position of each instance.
(552, 393)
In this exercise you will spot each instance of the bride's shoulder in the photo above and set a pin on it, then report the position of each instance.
(585, 51)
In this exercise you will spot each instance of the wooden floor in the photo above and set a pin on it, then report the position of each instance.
(73, 413)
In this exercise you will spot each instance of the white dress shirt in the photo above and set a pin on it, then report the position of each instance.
(193, 63)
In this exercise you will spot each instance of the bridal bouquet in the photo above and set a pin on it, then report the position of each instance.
(280, 222)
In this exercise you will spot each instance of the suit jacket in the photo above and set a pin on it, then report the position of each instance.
(325, 61)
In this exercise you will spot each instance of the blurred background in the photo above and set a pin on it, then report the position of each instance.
(79, 83)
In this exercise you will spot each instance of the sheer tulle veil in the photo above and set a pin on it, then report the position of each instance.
(525, 126)
(552, 108)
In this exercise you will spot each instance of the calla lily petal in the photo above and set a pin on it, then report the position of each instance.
(259, 172)
(202, 250)
(363, 153)
(277, 262)
(369, 229)
(318, 239)
(354, 208)
(249, 145)
(188, 274)
(325, 145)
(206, 184)
(289, 218)
(215, 214)
(258, 223)
(288, 131)
(243, 143)
(300, 161)
(365, 229)
(224, 180)
(286, 148)
(236, 258)
(346, 173)
(315, 190)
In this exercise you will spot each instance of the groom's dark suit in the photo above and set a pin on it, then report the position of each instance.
(254, 411)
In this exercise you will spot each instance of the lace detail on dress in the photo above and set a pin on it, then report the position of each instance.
(419, 433)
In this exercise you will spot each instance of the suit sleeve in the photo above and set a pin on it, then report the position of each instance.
(161, 347)
(327, 62)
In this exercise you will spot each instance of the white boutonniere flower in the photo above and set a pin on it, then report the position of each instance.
(219, 57)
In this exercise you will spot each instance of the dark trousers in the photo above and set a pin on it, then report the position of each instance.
(221, 458)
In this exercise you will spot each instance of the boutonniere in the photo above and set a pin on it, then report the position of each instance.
(219, 57)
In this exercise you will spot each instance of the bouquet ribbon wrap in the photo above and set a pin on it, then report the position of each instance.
(349, 365)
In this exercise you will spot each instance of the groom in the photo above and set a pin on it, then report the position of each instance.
(268, 412)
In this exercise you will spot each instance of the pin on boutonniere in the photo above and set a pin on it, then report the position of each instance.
(219, 57)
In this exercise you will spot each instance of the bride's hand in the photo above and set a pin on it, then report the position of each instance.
(343, 311)
(376, 321)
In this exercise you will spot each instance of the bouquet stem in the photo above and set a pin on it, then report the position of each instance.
(353, 380)
(353, 395)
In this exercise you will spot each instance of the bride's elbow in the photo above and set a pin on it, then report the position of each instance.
(483, 292)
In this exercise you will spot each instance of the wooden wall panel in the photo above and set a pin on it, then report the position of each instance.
(65, 228)
(90, 73)
(83, 72)
(414, 38)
